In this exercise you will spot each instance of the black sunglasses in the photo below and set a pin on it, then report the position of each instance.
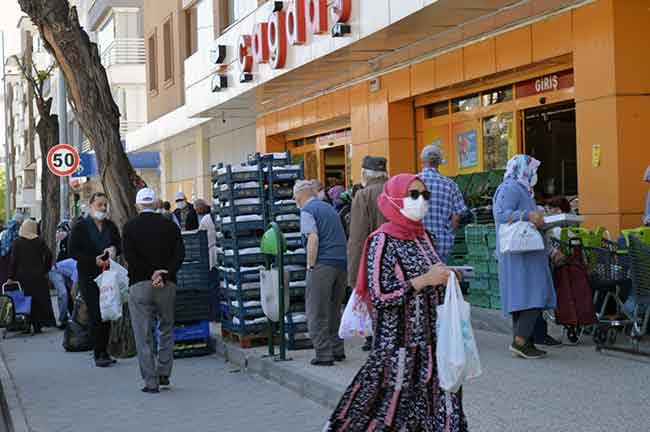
(415, 194)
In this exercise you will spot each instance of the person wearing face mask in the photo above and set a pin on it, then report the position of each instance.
(185, 213)
(325, 241)
(401, 280)
(365, 216)
(94, 240)
(525, 279)
(446, 205)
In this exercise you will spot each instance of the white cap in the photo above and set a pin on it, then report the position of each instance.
(305, 185)
(145, 196)
(432, 152)
(180, 196)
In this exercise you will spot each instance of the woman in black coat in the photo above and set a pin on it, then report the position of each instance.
(93, 238)
(29, 265)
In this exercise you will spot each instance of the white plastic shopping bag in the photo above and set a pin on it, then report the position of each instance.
(456, 351)
(122, 278)
(110, 297)
(356, 320)
(519, 237)
(270, 293)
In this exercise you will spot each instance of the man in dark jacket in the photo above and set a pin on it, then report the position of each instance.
(185, 213)
(154, 251)
(365, 216)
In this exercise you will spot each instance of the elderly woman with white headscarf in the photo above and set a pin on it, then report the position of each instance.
(29, 265)
(525, 279)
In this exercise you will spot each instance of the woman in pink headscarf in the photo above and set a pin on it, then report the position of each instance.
(402, 279)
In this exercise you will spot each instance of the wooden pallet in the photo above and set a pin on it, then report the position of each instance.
(247, 341)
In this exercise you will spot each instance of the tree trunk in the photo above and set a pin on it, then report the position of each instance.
(48, 136)
(90, 96)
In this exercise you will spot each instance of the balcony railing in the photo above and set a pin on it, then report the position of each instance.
(129, 126)
(124, 51)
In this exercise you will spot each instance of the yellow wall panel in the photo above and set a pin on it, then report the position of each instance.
(401, 155)
(379, 148)
(378, 115)
(398, 84)
(271, 123)
(552, 37)
(309, 110)
(632, 46)
(449, 68)
(358, 153)
(423, 77)
(359, 113)
(260, 135)
(341, 103)
(479, 59)
(514, 49)
(283, 121)
(401, 118)
(324, 107)
(295, 117)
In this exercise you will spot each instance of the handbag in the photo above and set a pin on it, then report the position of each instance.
(520, 237)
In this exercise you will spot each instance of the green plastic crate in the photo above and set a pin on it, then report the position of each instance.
(479, 285)
(493, 267)
(479, 251)
(493, 282)
(475, 235)
(479, 300)
(463, 181)
(495, 302)
(481, 267)
(491, 236)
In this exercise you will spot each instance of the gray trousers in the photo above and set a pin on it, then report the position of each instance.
(324, 298)
(523, 322)
(145, 304)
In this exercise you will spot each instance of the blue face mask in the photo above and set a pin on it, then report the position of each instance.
(99, 215)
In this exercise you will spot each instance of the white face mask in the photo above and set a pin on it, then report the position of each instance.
(533, 181)
(181, 205)
(99, 215)
(415, 209)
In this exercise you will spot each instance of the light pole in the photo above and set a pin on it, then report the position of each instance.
(4, 99)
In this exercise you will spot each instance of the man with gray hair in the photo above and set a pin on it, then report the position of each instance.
(446, 205)
(324, 236)
(154, 251)
(365, 216)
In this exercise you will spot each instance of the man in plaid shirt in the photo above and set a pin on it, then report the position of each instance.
(446, 205)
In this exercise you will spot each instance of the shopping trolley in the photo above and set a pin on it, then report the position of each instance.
(17, 311)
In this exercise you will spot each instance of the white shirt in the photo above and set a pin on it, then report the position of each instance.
(207, 224)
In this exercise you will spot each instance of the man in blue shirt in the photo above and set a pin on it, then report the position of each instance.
(63, 275)
(325, 240)
(446, 205)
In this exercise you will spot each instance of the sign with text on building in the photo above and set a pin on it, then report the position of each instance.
(547, 83)
(288, 25)
(63, 160)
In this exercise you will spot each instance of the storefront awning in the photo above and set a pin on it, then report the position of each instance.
(144, 160)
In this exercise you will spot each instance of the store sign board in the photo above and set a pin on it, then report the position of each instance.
(546, 83)
(287, 26)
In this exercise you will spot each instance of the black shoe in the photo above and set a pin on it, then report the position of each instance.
(528, 351)
(339, 358)
(38, 330)
(163, 380)
(549, 341)
(111, 359)
(367, 346)
(102, 362)
(150, 389)
(316, 362)
(63, 325)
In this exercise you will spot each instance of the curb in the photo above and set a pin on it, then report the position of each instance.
(281, 373)
(308, 386)
(15, 417)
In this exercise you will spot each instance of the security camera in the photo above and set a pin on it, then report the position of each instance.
(542, 100)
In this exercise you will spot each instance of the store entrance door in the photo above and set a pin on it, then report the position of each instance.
(334, 166)
(550, 137)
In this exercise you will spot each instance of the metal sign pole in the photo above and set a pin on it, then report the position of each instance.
(63, 139)
(7, 155)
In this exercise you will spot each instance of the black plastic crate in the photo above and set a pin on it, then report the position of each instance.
(192, 306)
(239, 275)
(281, 192)
(241, 294)
(193, 276)
(240, 242)
(244, 227)
(282, 209)
(273, 159)
(196, 246)
(235, 193)
(239, 260)
(289, 173)
(241, 210)
(238, 174)
(297, 273)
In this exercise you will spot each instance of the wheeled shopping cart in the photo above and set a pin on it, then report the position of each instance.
(19, 308)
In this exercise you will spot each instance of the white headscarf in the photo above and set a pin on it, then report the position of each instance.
(522, 168)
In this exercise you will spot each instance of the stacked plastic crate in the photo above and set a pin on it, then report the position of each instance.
(239, 194)
(192, 328)
(280, 177)
(481, 247)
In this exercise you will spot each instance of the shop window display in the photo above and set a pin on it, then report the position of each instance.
(498, 140)
(496, 96)
(466, 103)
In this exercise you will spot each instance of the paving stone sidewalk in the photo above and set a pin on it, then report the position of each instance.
(63, 392)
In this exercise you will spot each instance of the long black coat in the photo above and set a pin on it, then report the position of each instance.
(83, 249)
(29, 264)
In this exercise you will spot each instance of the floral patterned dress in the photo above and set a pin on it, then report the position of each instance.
(397, 389)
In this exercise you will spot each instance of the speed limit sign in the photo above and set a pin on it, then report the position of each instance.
(63, 160)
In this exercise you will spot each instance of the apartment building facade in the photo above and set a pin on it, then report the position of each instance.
(484, 79)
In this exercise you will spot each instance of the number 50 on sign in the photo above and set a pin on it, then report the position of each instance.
(63, 160)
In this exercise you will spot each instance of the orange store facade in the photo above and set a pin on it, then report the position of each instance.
(571, 89)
